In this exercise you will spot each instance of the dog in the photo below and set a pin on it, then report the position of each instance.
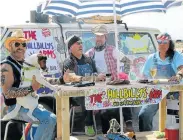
(32, 67)
(114, 126)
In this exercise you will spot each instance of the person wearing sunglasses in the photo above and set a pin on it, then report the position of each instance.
(169, 65)
(10, 81)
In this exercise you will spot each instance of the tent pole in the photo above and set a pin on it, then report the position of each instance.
(118, 58)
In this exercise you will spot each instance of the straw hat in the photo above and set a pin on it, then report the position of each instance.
(100, 30)
(17, 35)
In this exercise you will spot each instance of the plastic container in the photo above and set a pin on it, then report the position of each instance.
(171, 134)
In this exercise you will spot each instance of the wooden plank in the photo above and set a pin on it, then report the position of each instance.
(65, 118)
(181, 116)
(176, 88)
(162, 115)
(139, 135)
(59, 117)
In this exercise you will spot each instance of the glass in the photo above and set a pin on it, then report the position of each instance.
(153, 72)
(71, 76)
(88, 77)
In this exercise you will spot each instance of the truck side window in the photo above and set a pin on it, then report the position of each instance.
(88, 39)
(136, 43)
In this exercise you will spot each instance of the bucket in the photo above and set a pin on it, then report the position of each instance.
(171, 134)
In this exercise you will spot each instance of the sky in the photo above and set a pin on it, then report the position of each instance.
(171, 22)
(18, 11)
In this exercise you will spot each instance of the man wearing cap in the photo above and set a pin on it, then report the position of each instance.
(80, 64)
(106, 62)
(169, 65)
(10, 81)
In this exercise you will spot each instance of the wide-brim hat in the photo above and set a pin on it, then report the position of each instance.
(16, 35)
(100, 30)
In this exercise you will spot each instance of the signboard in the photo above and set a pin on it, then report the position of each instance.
(123, 97)
(42, 42)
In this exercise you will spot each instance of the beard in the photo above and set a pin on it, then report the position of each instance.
(99, 44)
(18, 55)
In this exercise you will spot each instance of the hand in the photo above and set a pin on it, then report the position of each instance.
(71, 77)
(66, 76)
(101, 77)
(35, 84)
(176, 78)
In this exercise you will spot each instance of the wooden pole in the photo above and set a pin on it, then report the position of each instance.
(59, 117)
(65, 119)
(162, 115)
(181, 116)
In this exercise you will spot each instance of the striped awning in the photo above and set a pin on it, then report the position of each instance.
(89, 8)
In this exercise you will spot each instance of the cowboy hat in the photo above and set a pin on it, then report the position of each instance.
(17, 35)
(100, 30)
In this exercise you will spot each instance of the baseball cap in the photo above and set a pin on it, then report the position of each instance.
(100, 30)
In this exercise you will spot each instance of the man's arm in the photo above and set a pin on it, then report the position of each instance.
(7, 80)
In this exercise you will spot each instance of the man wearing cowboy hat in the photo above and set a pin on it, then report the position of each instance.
(106, 62)
(10, 81)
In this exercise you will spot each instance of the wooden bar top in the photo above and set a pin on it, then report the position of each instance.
(71, 91)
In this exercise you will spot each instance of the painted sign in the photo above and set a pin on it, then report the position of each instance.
(138, 44)
(123, 97)
(42, 42)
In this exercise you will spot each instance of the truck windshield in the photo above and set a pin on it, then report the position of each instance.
(136, 46)
(136, 43)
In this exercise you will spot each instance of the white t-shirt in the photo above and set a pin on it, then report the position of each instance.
(100, 62)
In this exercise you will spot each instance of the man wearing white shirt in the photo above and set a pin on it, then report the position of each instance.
(104, 56)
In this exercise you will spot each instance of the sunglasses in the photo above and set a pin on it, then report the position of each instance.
(17, 44)
(163, 41)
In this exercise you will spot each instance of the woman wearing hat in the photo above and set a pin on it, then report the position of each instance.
(169, 65)
(10, 81)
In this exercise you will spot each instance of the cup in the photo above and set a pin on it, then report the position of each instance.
(88, 77)
(153, 72)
